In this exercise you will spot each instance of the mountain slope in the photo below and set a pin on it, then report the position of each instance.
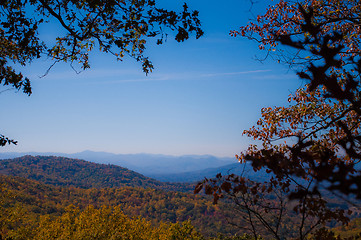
(27, 200)
(61, 171)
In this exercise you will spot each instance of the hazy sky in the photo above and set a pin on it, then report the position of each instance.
(201, 96)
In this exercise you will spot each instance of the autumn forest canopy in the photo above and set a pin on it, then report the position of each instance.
(310, 148)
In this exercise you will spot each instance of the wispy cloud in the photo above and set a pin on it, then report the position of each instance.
(234, 73)
(116, 76)
(144, 79)
(176, 76)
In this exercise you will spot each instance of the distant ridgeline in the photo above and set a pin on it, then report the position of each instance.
(146, 164)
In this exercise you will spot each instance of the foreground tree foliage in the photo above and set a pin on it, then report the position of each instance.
(109, 223)
(118, 27)
(311, 148)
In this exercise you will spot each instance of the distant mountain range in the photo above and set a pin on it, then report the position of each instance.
(146, 164)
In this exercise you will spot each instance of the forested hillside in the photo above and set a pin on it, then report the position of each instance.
(61, 171)
(24, 201)
(48, 185)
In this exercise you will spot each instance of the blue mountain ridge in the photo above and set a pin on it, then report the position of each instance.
(146, 164)
(245, 170)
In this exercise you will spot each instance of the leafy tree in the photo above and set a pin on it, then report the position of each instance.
(118, 27)
(325, 119)
(313, 144)
(352, 229)
(109, 223)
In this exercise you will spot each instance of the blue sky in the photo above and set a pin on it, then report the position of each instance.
(198, 100)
